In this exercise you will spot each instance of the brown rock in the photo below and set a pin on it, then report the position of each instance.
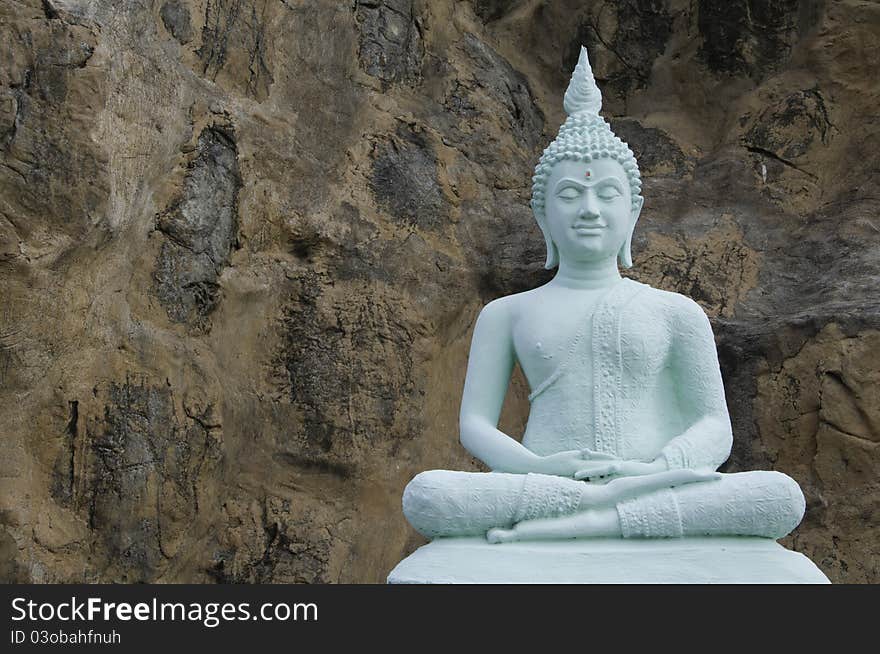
(818, 418)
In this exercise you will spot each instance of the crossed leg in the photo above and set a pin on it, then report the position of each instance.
(449, 503)
(597, 515)
(507, 507)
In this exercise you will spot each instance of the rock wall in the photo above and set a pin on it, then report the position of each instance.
(243, 245)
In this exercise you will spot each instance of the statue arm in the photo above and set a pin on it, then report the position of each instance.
(490, 365)
(707, 440)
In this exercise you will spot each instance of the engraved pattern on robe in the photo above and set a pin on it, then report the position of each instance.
(641, 378)
(654, 384)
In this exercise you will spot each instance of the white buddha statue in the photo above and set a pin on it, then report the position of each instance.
(628, 421)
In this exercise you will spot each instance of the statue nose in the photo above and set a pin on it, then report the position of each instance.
(589, 209)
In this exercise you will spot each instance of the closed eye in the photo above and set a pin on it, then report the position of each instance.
(608, 193)
(569, 193)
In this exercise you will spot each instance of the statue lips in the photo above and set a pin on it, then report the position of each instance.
(588, 230)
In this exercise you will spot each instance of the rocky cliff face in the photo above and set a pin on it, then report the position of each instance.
(243, 244)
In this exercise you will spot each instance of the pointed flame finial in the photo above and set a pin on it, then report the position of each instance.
(582, 94)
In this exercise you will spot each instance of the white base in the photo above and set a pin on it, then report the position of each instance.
(736, 560)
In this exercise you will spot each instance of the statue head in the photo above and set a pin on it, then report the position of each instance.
(586, 191)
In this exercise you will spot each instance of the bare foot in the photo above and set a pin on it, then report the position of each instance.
(498, 535)
(601, 523)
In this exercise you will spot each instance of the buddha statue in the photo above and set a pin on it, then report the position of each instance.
(628, 421)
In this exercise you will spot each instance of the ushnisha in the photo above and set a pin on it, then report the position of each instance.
(628, 421)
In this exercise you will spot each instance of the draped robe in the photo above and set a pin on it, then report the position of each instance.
(646, 361)
(640, 379)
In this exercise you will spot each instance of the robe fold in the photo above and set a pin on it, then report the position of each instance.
(640, 379)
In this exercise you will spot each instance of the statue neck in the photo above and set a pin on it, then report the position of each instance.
(600, 274)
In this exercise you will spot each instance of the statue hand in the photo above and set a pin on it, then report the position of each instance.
(594, 455)
(569, 462)
(620, 468)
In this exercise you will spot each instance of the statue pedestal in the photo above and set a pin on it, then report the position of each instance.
(736, 560)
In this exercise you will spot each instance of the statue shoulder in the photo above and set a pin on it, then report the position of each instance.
(675, 308)
(508, 307)
(497, 314)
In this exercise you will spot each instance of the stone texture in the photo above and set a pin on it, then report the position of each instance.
(176, 18)
(236, 49)
(201, 227)
(391, 47)
(404, 180)
(753, 36)
(242, 247)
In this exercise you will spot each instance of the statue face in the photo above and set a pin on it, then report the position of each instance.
(588, 209)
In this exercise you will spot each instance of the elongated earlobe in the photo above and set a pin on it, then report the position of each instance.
(624, 256)
(552, 252)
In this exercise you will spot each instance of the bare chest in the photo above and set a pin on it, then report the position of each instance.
(544, 330)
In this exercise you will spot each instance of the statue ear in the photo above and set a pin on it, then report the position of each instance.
(552, 252)
(624, 256)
